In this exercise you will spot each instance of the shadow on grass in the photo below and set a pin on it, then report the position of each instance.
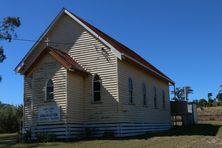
(199, 129)
(10, 140)
(193, 130)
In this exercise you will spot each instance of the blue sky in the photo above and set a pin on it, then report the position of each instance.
(183, 38)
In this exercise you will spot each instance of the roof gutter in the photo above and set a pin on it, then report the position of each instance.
(18, 68)
(149, 69)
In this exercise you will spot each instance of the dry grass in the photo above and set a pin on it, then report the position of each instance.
(210, 113)
(217, 110)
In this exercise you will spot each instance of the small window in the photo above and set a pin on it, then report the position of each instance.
(144, 93)
(130, 87)
(49, 90)
(164, 99)
(96, 88)
(155, 97)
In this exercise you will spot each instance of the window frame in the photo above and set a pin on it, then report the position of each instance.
(46, 91)
(155, 97)
(130, 90)
(144, 94)
(164, 99)
(100, 89)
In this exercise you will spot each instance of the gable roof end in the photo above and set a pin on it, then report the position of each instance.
(21, 63)
(62, 57)
(116, 47)
(70, 63)
(63, 11)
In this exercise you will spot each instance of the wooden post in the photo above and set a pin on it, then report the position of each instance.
(174, 89)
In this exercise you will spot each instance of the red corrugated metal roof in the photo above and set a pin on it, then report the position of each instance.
(62, 57)
(69, 61)
(122, 48)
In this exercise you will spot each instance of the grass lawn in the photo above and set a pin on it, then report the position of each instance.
(205, 134)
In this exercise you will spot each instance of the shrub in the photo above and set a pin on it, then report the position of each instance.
(10, 118)
(45, 137)
(219, 103)
(27, 136)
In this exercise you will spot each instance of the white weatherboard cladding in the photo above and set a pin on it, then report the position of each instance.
(137, 112)
(77, 130)
(48, 68)
(115, 51)
(96, 58)
(27, 110)
(75, 98)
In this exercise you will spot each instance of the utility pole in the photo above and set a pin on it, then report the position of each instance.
(185, 93)
(185, 88)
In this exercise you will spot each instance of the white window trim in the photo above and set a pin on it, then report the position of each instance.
(46, 85)
(93, 99)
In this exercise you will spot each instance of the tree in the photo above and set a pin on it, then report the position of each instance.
(195, 101)
(219, 95)
(7, 32)
(10, 118)
(178, 94)
(210, 100)
(202, 102)
(181, 93)
(209, 95)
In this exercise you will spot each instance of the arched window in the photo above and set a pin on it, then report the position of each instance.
(144, 93)
(49, 90)
(130, 87)
(164, 99)
(155, 97)
(96, 88)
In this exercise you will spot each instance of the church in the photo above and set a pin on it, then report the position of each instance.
(76, 77)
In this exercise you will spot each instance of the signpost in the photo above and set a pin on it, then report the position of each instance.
(48, 113)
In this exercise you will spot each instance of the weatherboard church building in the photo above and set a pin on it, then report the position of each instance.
(82, 78)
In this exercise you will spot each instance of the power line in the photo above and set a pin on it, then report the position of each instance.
(38, 41)
(96, 46)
